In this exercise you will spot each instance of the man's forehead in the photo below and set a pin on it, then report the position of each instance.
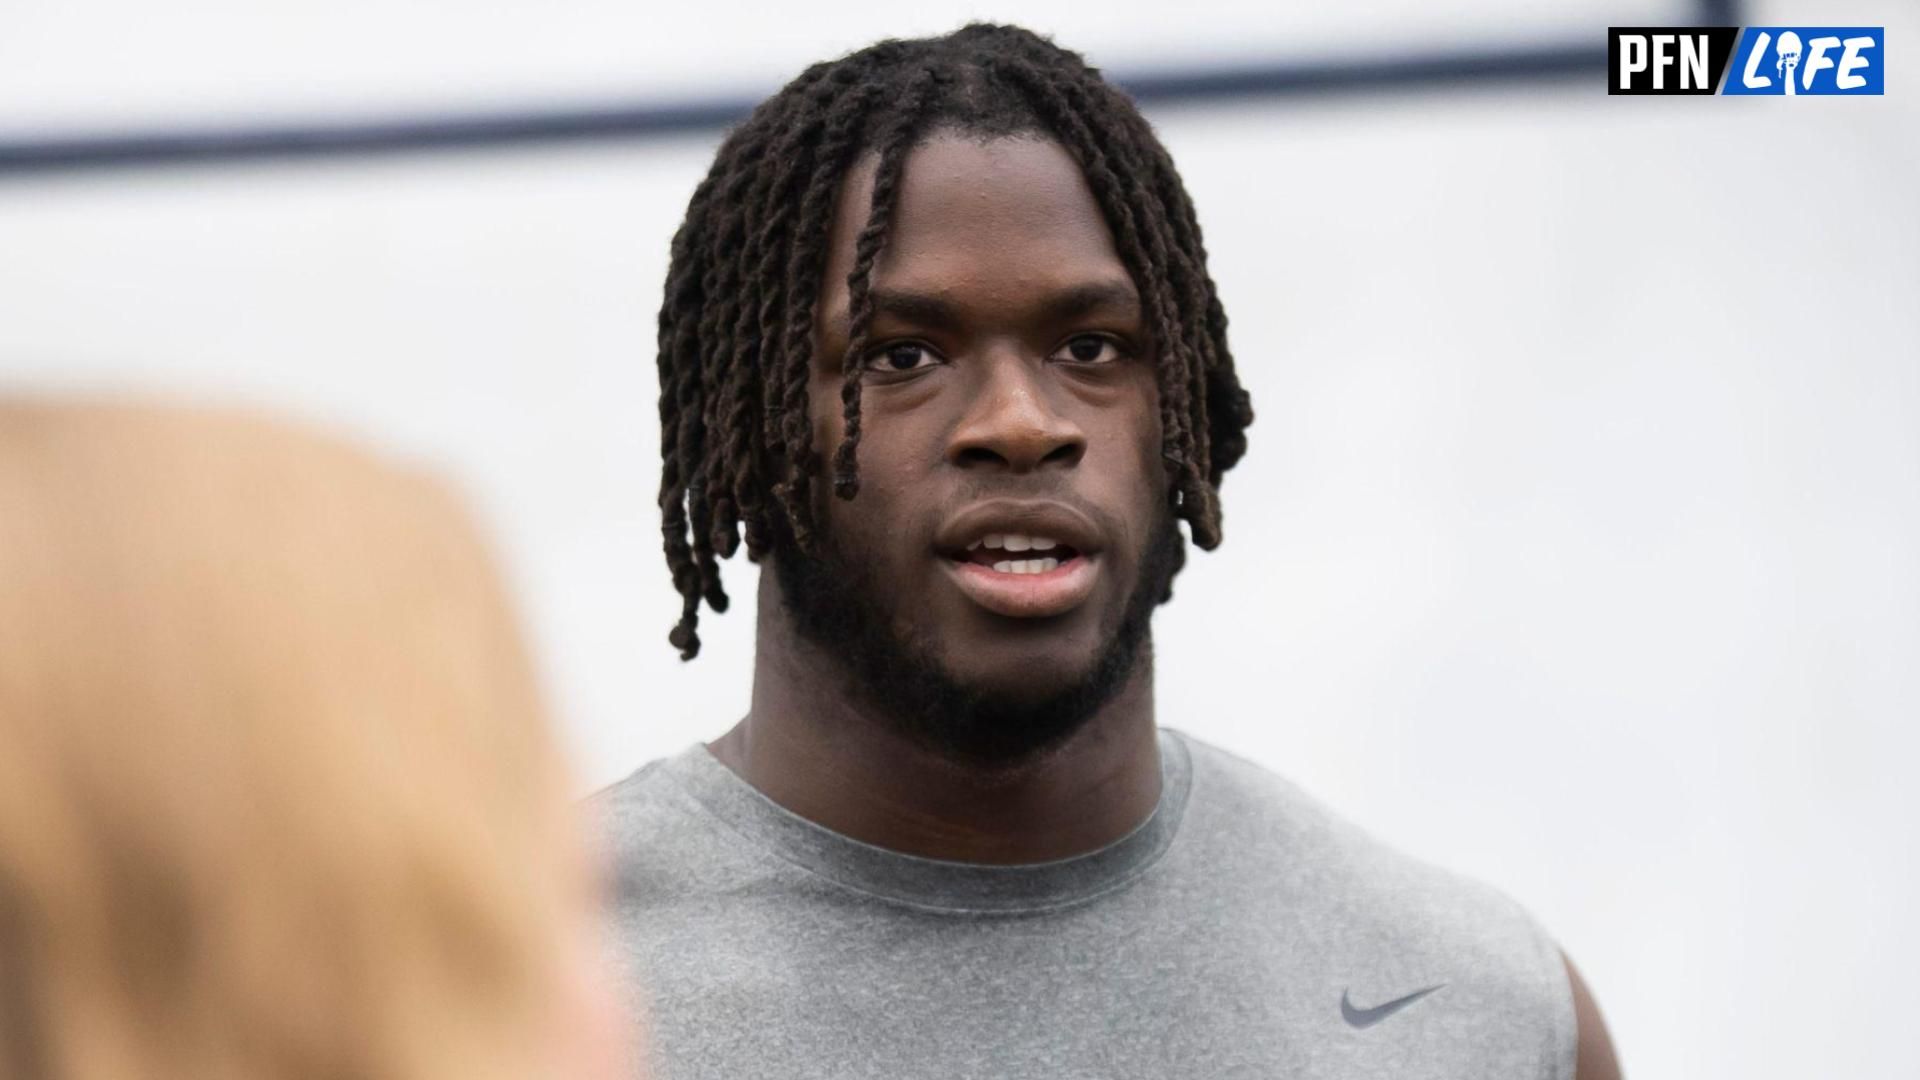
(976, 221)
(1043, 299)
(1021, 191)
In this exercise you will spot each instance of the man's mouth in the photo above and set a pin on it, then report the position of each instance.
(1024, 577)
(1024, 559)
(1013, 553)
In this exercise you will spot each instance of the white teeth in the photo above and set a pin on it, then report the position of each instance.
(1025, 566)
(1013, 542)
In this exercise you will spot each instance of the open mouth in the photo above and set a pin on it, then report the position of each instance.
(1024, 576)
(1016, 553)
(1023, 559)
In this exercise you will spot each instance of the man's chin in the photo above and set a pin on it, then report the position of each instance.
(991, 704)
(997, 714)
(1036, 686)
(1001, 721)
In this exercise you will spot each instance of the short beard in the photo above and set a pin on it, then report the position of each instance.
(834, 604)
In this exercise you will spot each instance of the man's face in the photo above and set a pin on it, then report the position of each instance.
(1009, 402)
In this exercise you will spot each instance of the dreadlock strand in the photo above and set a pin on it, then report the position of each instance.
(678, 350)
(1189, 271)
(840, 142)
(735, 475)
(728, 360)
(757, 401)
(886, 183)
(1229, 408)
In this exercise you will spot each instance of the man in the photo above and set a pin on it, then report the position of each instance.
(940, 340)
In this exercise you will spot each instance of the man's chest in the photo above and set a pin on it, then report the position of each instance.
(829, 996)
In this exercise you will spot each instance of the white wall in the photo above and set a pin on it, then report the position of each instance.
(1575, 548)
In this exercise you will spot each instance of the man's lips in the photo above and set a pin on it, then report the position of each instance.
(1060, 522)
(1027, 596)
(1019, 531)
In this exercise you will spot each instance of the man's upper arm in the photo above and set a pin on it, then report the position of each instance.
(1594, 1058)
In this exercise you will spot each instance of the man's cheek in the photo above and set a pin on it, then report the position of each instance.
(824, 407)
(860, 538)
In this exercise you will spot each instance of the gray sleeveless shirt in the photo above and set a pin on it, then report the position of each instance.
(1242, 931)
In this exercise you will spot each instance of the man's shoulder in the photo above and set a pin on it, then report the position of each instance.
(1253, 807)
(1296, 852)
(637, 805)
(1250, 807)
(653, 824)
(639, 792)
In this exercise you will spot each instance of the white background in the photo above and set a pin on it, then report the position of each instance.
(1576, 547)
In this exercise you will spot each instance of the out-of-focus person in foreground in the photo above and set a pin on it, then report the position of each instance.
(277, 796)
(940, 346)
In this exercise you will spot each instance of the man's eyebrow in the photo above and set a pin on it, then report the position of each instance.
(927, 309)
(923, 309)
(1119, 297)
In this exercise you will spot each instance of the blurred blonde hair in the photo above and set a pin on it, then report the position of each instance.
(276, 797)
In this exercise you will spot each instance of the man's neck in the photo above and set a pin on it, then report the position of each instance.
(828, 757)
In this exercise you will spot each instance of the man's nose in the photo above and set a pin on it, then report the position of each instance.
(1012, 422)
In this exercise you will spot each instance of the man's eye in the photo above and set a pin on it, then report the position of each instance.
(1090, 349)
(905, 356)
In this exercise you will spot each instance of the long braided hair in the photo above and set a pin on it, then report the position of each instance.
(737, 325)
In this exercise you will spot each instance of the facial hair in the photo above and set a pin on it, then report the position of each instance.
(835, 604)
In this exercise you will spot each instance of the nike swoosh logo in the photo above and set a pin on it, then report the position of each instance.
(1365, 1018)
